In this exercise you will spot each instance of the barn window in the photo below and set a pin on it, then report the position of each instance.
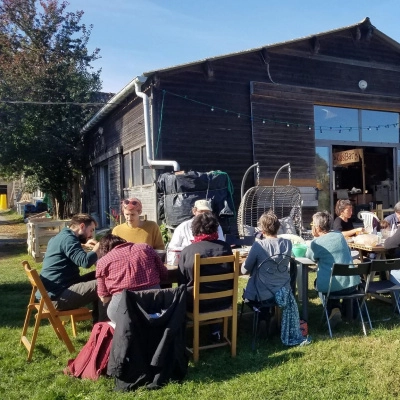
(135, 173)
(356, 125)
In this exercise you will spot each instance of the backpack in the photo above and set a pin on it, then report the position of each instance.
(92, 360)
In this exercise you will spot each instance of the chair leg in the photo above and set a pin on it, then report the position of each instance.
(234, 336)
(255, 327)
(196, 343)
(225, 328)
(73, 326)
(34, 336)
(361, 317)
(364, 305)
(62, 333)
(396, 299)
(26, 323)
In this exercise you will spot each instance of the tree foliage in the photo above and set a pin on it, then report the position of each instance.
(45, 70)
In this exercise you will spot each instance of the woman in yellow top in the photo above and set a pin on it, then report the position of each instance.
(135, 230)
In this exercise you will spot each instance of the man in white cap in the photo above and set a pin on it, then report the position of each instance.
(183, 235)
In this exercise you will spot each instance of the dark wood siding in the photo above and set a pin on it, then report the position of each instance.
(196, 107)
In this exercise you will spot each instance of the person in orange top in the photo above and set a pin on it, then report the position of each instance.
(135, 230)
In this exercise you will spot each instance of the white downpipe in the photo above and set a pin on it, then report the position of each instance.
(139, 80)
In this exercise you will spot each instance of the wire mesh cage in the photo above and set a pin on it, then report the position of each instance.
(284, 201)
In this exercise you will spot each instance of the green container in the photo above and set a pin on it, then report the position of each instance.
(299, 250)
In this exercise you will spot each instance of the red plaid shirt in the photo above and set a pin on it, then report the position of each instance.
(129, 266)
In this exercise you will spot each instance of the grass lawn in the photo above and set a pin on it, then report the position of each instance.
(349, 366)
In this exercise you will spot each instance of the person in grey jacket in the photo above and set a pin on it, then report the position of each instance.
(268, 262)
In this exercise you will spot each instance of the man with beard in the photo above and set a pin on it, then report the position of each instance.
(60, 271)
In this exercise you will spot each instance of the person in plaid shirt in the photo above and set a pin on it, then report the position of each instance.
(125, 265)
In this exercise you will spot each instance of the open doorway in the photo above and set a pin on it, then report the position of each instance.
(365, 175)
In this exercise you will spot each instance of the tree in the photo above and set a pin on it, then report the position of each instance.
(45, 78)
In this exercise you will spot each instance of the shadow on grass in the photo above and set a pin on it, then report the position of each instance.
(15, 298)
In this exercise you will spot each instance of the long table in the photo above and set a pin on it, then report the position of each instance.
(379, 250)
(303, 265)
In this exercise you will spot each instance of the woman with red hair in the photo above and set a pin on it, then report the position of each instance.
(136, 230)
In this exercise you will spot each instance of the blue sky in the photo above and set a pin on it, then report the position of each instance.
(137, 36)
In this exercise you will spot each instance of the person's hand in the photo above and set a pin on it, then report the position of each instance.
(359, 231)
(91, 243)
(105, 299)
(96, 248)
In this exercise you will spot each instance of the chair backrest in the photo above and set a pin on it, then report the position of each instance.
(362, 269)
(272, 265)
(234, 240)
(37, 285)
(367, 218)
(284, 201)
(385, 265)
(233, 275)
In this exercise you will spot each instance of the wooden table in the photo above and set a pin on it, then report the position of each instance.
(379, 250)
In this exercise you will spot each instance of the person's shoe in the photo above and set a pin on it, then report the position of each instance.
(335, 317)
(216, 337)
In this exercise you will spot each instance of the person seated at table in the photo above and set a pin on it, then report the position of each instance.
(135, 230)
(394, 219)
(268, 264)
(266, 276)
(342, 223)
(329, 247)
(207, 244)
(125, 265)
(183, 235)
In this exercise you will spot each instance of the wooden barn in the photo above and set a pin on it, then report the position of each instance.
(328, 104)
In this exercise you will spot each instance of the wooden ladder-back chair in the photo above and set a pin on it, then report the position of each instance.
(46, 310)
(197, 318)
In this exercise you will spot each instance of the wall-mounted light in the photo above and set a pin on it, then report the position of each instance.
(362, 84)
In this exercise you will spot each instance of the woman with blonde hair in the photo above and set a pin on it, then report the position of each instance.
(136, 230)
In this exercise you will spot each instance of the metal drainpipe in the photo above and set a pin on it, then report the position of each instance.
(139, 80)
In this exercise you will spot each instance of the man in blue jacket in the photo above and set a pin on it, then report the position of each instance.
(60, 272)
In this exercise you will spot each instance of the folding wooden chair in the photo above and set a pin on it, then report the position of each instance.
(198, 318)
(362, 269)
(46, 310)
(384, 287)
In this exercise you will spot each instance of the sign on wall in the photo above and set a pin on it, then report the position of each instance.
(347, 157)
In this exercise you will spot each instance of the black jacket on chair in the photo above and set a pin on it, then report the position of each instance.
(149, 350)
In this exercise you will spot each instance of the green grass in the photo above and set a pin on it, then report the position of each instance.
(349, 366)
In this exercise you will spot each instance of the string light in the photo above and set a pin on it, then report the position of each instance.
(288, 124)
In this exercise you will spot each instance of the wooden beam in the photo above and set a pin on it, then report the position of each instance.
(339, 60)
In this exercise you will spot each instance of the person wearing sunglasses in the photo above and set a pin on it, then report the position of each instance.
(136, 230)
